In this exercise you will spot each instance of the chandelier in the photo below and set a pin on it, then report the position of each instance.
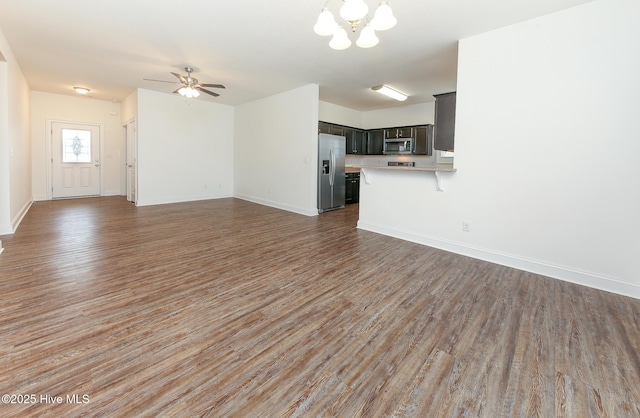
(354, 12)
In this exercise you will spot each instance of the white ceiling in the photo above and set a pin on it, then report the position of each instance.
(256, 48)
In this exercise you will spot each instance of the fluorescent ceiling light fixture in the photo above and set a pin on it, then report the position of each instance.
(81, 90)
(388, 91)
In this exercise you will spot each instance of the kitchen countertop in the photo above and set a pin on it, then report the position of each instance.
(354, 169)
(368, 174)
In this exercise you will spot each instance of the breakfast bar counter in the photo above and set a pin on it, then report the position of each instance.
(368, 170)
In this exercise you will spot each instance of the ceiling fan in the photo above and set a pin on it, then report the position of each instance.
(190, 85)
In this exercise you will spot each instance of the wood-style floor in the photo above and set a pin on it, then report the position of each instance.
(227, 308)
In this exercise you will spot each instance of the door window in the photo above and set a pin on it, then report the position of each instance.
(76, 146)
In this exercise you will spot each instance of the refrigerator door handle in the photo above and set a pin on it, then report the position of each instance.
(332, 167)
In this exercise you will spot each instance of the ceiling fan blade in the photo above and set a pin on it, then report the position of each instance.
(176, 90)
(161, 81)
(218, 86)
(180, 77)
(207, 91)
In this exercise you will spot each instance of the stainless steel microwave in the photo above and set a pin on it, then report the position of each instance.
(398, 146)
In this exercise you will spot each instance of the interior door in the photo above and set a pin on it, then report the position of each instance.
(75, 160)
(131, 161)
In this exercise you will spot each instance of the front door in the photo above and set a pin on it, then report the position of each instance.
(75, 160)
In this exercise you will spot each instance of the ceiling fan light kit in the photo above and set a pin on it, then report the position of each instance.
(190, 86)
(353, 12)
(188, 92)
(388, 91)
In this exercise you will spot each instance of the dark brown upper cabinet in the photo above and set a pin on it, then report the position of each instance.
(445, 121)
(355, 141)
(423, 137)
(375, 141)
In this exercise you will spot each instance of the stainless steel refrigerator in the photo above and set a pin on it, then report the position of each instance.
(331, 184)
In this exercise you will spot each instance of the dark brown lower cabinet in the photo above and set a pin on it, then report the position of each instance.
(352, 188)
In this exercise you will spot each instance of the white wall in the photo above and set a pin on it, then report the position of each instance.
(15, 145)
(546, 153)
(129, 108)
(5, 188)
(47, 107)
(417, 114)
(332, 113)
(276, 148)
(20, 149)
(185, 149)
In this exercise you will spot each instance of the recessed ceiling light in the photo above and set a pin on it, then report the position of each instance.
(81, 90)
(388, 91)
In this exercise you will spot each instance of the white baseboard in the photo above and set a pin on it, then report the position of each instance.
(40, 198)
(278, 205)
(15, 222)
(557, 272)
(164, 201)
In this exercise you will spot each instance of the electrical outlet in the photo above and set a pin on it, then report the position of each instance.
(466, 226)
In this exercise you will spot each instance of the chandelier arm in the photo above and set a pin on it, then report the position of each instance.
(354, 24)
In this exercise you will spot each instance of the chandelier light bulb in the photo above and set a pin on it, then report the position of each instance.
(354, 10)
(340, 39)
(383, 18)
(326, 23)
(367, 37)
